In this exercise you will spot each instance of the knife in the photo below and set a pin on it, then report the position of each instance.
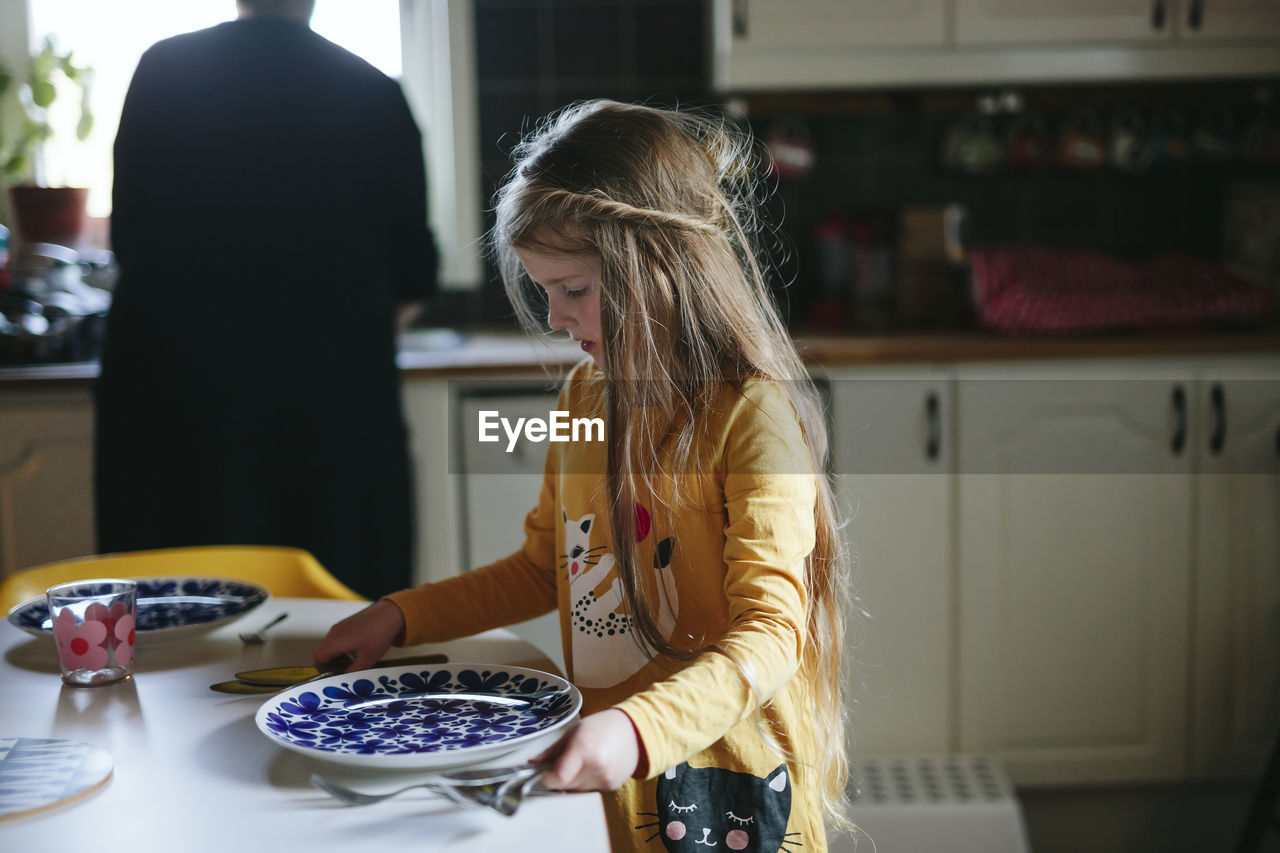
(284, 676)
(274, 679)
(244, 688)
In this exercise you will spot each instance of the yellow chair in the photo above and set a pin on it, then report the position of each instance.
(287, 572)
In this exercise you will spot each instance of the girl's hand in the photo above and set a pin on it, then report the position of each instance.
(599, 754)
(363, 637)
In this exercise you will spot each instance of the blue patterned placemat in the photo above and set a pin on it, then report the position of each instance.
(43, 773)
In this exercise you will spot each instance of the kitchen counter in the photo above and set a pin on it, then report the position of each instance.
(950, 347)
(446, 354)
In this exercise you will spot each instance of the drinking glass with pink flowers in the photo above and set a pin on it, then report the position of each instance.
(93, 629)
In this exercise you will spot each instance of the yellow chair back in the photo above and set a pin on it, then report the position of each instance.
(286, 572)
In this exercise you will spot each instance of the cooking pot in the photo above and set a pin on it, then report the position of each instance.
(53, 327)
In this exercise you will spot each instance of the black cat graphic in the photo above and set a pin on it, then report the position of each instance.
(701, 808)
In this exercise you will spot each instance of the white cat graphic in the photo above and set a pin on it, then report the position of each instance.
(605, 651)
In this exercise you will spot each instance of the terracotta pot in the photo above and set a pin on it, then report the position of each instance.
(48, 214)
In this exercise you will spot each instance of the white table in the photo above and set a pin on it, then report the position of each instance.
(193, 773)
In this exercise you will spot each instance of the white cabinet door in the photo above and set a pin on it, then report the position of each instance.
(1075, 506)
(1100, 22)
(892, 451)
(805, 24)
(428, 407)
(1236, 698)
(1228, 20)
(778, 44)
(46, 477)
(1080, 21)
(772, 45)
(498, 488)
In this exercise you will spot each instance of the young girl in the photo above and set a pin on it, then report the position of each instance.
(693, 555)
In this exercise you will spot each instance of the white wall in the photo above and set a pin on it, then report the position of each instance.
(440, 82)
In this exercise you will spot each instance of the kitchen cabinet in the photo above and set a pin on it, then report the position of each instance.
(820, 44)
(1068, 564)
(764, 45)
(1227, 20)
(1083, 21)
(979, 22)
(472, 496)
(428, 411)
(892, 452)
(1074, 503)
(1118, 549)
(499, 488)
(1236, 622)
(46, 474)
(764, 25)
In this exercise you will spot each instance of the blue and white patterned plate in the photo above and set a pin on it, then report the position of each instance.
(170, 609)
(418, 717)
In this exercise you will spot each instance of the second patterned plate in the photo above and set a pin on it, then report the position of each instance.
(418, 717)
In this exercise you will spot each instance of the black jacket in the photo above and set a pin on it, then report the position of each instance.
(269, 212)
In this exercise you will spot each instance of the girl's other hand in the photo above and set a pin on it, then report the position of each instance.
(599, 754)
(362, 637)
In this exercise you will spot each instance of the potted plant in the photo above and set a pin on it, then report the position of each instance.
(42, 214)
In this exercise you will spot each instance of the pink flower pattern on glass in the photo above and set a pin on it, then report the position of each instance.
(122, 635)
(83, 645)
(86, 645)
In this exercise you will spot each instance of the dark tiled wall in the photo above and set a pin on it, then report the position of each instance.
(535, 56)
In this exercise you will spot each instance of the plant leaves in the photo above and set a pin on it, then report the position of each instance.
(16, 167)
(43, 92)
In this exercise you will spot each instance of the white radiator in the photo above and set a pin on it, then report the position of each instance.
(931, 804)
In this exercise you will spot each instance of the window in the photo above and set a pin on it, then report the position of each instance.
(110, 37)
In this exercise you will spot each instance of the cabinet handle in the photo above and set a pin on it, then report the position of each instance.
(1195, 15)
(933, 427)
(740, 18)
(1157, 15)
(1179, 403)
(1218, 408)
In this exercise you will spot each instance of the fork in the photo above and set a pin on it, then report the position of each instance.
(259, 636)
(503, 796)
(508, 796)
(352, 797)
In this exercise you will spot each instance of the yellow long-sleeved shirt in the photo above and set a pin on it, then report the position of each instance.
(729, 568)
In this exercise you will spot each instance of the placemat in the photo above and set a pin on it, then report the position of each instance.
(37, 774)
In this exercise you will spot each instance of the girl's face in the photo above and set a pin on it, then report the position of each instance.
(571, 280)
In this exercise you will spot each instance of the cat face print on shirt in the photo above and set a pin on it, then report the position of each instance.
(700, 809)
(605, 651)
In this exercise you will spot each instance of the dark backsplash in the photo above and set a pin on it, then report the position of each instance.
(876, 153)
(535, 56)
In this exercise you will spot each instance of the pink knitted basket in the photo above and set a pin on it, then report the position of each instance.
(1027, 289)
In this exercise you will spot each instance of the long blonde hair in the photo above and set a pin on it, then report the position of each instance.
(669, 202)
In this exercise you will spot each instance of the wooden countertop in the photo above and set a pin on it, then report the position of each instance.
(950, 348)
(444, 355)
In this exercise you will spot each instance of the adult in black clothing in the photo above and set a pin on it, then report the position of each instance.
(270, 225)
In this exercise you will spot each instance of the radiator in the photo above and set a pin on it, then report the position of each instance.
(931, 804)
